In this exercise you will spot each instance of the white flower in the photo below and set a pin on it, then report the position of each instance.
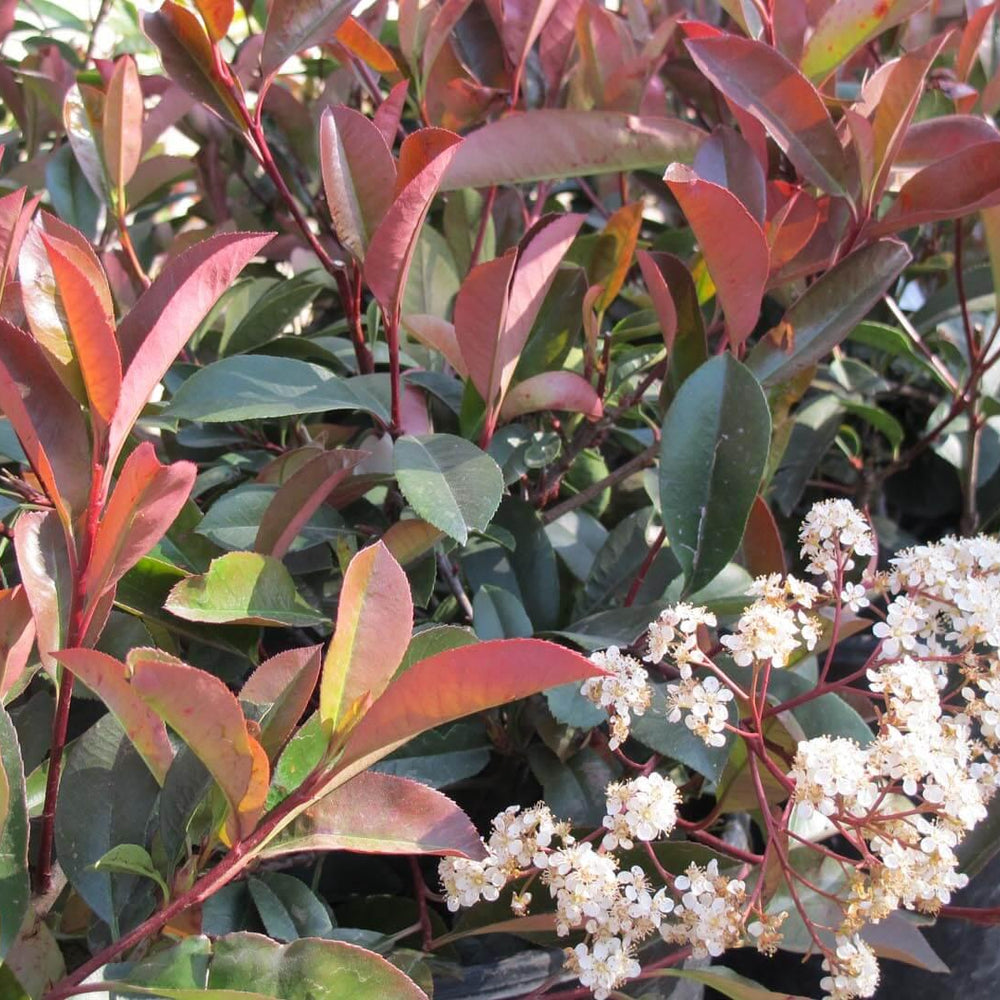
(905, 620)
(853, 970)
(642, 809)
(674, 634)
(621, 693)
(709, 917)
(602, 966)
(706, 704)
(831, 777)
(854, 597)
(466, 881)
(765, 631)
(831, 533)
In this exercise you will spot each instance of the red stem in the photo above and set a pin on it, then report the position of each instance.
(644, 568)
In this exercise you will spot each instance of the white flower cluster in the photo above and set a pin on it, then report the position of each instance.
(616, 907)
(832, 533)
(673, 636)
(622, 692)
(853, 972)
(706, 703)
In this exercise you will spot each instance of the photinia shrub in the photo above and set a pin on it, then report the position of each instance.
(422, 396)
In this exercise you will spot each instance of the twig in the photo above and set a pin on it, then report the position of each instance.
(455, 585)
(634, 464)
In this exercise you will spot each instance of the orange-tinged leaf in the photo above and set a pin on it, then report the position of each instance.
(283, 686)
(217, 15)
(388, 114)
(294, 25)
(381, 814)
(358, 176)
(15, 217)
(206, 715)
(972, 36)
(90, 325)
(727, 159)
(419, 149)
(733, 244)
(439, 335)
(123, 123)
(763, 552)
(557, 390)
(456, 683)
(374, 624)
(623, 228)
(791, 228)
(144, 503)
(410, 539)
(300, 496)
(845, 26)
(108, 678)
(356, 38)
(17, 634)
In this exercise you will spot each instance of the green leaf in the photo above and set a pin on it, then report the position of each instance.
(255, 386)
(288, 908)
(131, 859)
(15, 891)
(676, 741)
(106, 797)
(449, 482)
(571, 708)
(233, 521)
(431, 641)
(828, 311)
(271, 313)
(728, 983)
(242, 588)
(72, 196)
(441, 756)
(575, 788)
(714, 447)
(498, 614)
(828, 715)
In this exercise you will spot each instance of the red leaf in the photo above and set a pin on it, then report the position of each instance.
(509, 150)
(84, 297)
(152, 334)
(123, 122)
(146, 499)
(440, 29)
(299, 497)
(358, 176)
(294, 25)
(47, 420)
(552, 391)
(439, 335)
(971, 37)
(14, 220)
(377, 813)
(388, 114)
(359, 42)
(622, 230)
(284, 684)
(480, 315)
(410, 539)
(374, 625)
(659, 292)
(456, 683)
(895, 108)
(418, 150)
(109, 680)
(43, 562)
(763, 552)
(791, 227)
(725, 158)
(925, 142)
(17, 636)
(763, 81)
(391, 249)
(954, 186)
(217, 15)
(204, 713)
(733, 244)
(523, 21)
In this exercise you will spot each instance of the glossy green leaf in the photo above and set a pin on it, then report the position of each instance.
(442, 756)
(828, 311)
(714, 447)
(252, 387)
(131, 859)
(14, 888)
(449, 482)
(242, 588)
(498, 614)
(288, 908)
